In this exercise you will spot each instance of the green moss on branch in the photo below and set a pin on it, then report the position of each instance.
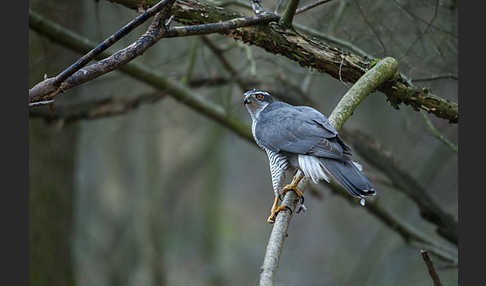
(309, 53)
(371, 80)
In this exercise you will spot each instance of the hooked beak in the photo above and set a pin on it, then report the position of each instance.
(246, 101)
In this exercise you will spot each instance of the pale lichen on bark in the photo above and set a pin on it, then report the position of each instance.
(370, 81)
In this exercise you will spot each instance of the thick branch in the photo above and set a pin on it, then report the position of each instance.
(381, 72)
(110, 41)
(149, 76)
(376, 76)
(47, 89)
(144, 74)
(310, 53)
(289, 13)
(276, 240)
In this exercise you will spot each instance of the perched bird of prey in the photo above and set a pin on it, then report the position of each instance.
(301, 138)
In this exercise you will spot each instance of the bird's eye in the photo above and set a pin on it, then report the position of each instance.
(259, 96)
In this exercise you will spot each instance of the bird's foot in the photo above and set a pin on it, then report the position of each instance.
(276, 209)
(293, 187)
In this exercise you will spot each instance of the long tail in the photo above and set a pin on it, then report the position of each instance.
(349, 176)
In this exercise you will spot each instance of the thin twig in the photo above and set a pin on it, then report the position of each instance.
(289, 13)
(370, 25)
(436, 132)
(421, 35)
(225, 63)
(382, 71)
(430, 266)
(310, 6)
(412, 15)
(408, 233)
(147, 75)
(436, 77)
(373, 153)
(331, 39)
(102, 108)
(46, 89)
(191, 61)
(110, 41)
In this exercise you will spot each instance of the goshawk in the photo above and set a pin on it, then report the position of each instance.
(301, 138)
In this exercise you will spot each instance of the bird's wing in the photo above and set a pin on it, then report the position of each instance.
(300, 130)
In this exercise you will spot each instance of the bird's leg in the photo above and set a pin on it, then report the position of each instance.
(276, 209)
(293, 187)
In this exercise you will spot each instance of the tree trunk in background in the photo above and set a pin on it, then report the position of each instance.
(211, 206)
(51, 162)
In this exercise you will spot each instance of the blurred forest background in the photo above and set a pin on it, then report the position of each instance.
(163, 195)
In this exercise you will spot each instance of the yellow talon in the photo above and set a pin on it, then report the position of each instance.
(290, 187)
(293, 187)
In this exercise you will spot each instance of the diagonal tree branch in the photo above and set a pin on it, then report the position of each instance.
(111, 40)
(244, 86)
(373, 153)
(107, 107)
(430, 266)
(310, 53)
(311, 5)
(437, 133)
(382, 71)
(144, 74)
(47, 90)
(289, 13)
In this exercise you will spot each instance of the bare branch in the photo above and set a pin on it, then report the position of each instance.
(310, 6)
(331, 39)
(111, 40)
(226, 65)
(373, 153)
(436, 77)
(288, 14)
(430, 267)
(145, 74)
(107, 107)
(437, 134)
(309, 53)
(412, 15)
(408, 233)
(46, 90)
(191, 61)
(276, 240)
(370, 25)
(383, 70)
(422, 34)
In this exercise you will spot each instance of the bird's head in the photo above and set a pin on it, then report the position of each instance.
(256, 100)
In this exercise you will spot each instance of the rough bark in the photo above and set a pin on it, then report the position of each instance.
(384, 70)
(151, 77)
(307, 52)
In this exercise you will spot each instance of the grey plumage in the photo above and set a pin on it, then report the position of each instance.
(300, 137)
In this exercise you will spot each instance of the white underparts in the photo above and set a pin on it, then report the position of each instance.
(312, 168)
